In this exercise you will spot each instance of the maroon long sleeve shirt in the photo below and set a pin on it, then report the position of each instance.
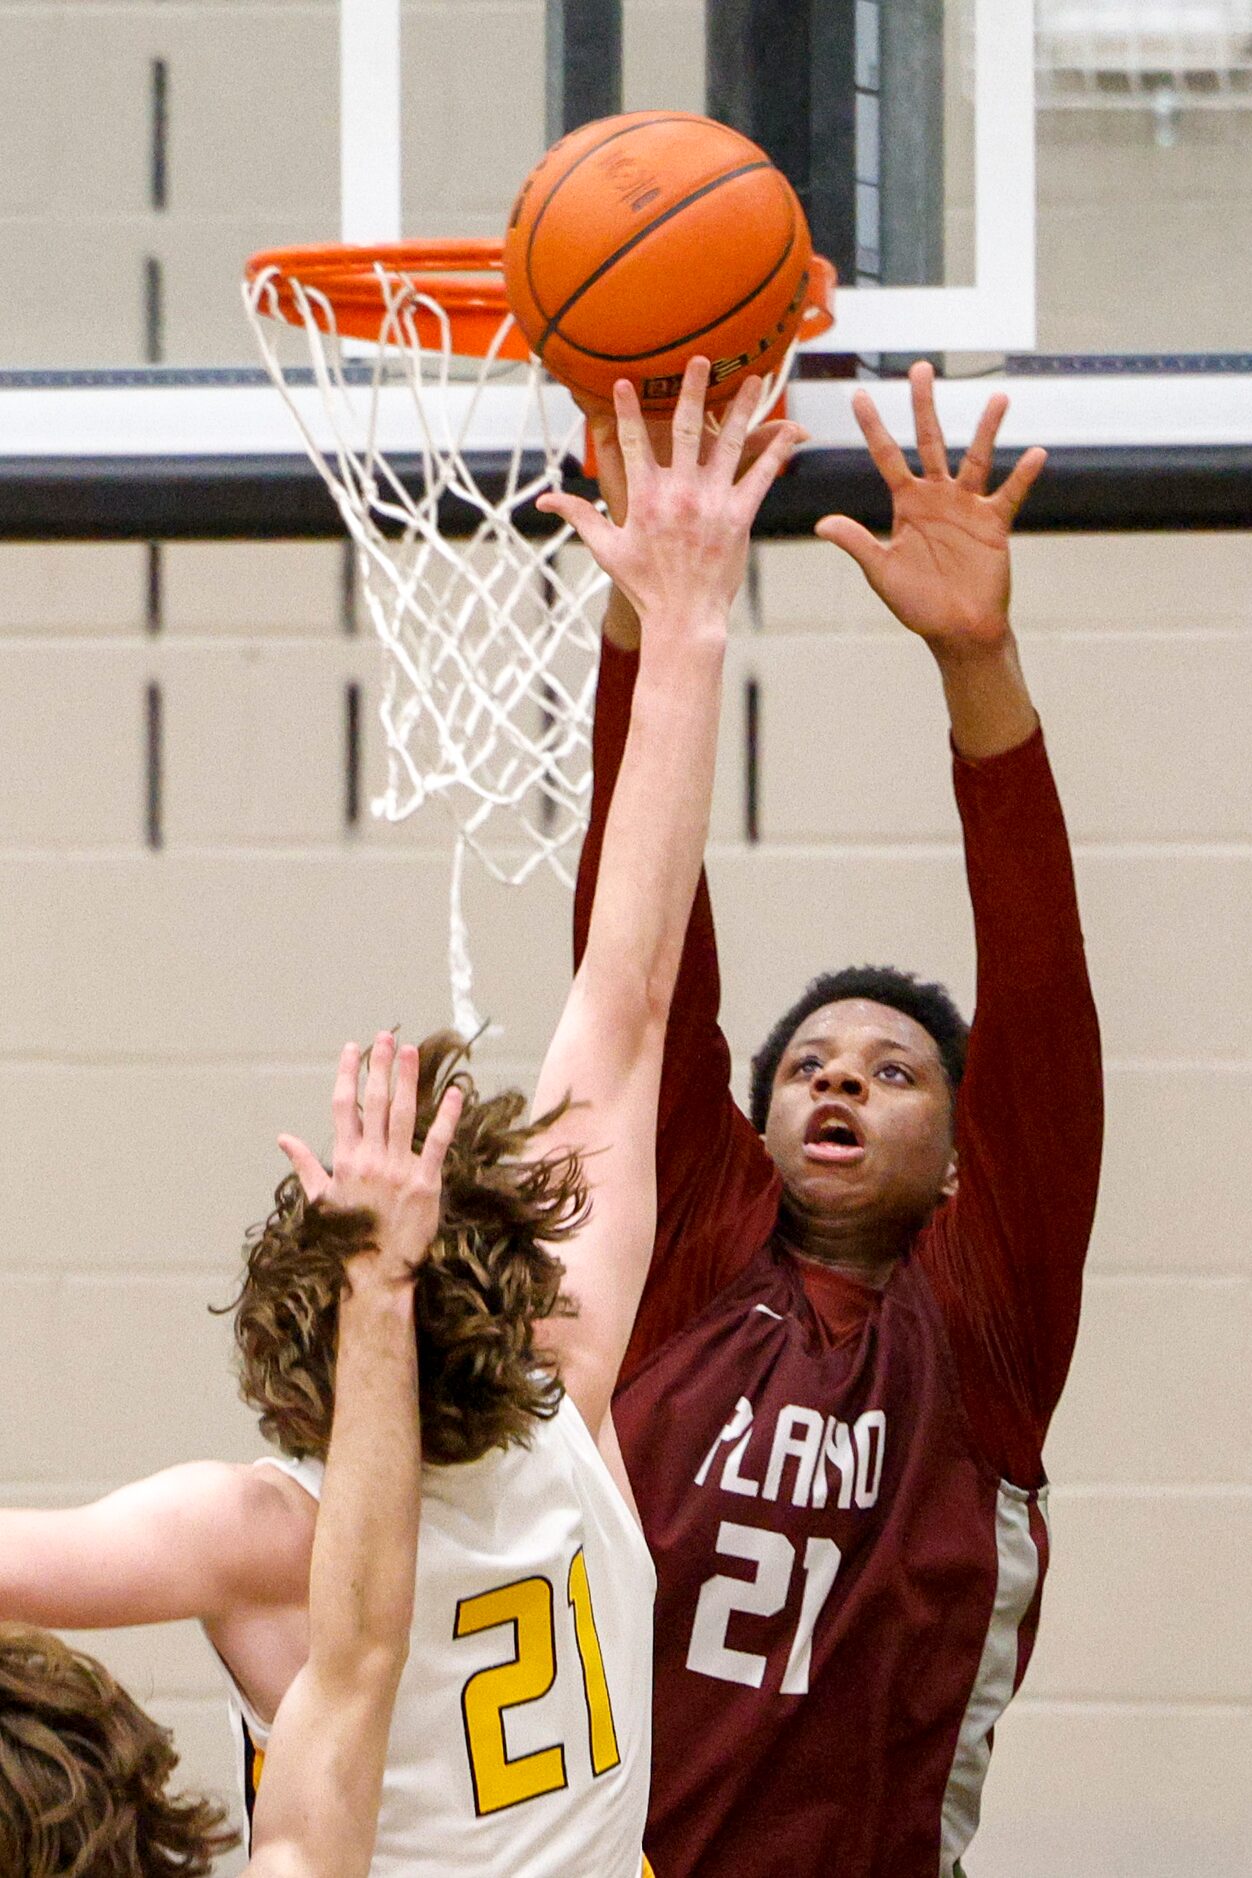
(869, 1460)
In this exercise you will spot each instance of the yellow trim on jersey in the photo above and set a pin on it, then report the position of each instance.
(605, 1752)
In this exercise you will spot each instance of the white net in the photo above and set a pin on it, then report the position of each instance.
(490, 634)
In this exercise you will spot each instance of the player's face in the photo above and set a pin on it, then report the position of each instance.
(860, 1120)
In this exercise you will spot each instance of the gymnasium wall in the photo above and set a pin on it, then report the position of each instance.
(165, 1011)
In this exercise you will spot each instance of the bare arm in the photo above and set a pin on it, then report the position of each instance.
(678, 559)
(203, 1540)
(317, 1810)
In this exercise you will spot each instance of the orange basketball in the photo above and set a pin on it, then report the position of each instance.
(639, 241)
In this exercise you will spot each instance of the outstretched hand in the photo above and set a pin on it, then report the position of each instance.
(944, 572)
(611, 468)
(681, 547)
(374, 1167)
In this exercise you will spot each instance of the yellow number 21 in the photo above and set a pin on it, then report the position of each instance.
(529, 1674)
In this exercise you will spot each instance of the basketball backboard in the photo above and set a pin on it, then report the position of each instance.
(943, 146)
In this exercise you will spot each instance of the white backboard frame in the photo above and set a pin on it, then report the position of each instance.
(167, 412)
(996, 314)
(370, 151)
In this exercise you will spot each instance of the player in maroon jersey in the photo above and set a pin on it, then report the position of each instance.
(863, 1302)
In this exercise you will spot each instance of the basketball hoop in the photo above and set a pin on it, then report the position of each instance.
(491, 636)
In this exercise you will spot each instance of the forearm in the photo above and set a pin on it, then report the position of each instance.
(1008, 1258)
(361, 1583)
(989, 706)
(658, 821)
(615, 687)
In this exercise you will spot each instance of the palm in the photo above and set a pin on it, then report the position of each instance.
(945, 570)
(376, 1169)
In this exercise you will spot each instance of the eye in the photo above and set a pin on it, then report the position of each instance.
(805, 1065)
(897, 1073)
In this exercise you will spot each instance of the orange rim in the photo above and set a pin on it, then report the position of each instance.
(818, 315)
(465, 278)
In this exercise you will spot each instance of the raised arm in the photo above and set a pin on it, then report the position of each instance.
(1006, 1256)
(710, 1165)
(317, 1809)
(679, 558)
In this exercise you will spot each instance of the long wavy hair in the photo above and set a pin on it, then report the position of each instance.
(83, 1773)
(490, 1276)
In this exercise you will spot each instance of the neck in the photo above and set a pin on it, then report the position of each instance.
(866, 1249)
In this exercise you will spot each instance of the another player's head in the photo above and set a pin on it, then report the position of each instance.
(83, 1774)
(490, 1276)
(854, 1093)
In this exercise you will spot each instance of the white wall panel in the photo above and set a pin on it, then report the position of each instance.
(71, 744)
(31, 122)
(242, 955)
(253, 588)
(111, 1376)
(1176, 1192)
(1147, 1593)
(663, 55)
(1161, 1385)
(1061, 583)
(170, 1161)
(474, 126)
(254, 112)
(1117, 1791)
(854, 735)
(255, 743)
(82, 588)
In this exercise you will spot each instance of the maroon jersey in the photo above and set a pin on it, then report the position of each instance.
(845, 1585)
(842, 1485)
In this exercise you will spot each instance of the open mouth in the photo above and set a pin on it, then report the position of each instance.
(833, 1134)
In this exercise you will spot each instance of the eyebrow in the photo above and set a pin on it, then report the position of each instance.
(879, 1043)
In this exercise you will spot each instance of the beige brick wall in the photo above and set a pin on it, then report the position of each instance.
(163, 1015)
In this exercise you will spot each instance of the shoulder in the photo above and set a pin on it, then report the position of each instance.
(257, 1521)
(230, 1490)
(280, 1512)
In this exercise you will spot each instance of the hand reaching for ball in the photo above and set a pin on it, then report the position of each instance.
(611, 469)
(621, 622)
(680, 551)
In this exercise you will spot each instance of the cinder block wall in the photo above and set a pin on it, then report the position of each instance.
(165, 1013)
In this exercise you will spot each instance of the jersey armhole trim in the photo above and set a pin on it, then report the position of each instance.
(297, 1471)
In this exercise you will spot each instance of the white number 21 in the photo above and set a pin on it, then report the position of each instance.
(763, 1596)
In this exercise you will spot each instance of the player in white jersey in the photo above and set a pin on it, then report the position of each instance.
(84, 1772)
(520, 1739)
(520, 1742)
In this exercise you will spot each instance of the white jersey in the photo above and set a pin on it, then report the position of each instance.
(521, 1739)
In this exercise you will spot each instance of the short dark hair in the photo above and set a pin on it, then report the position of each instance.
(928, 1005)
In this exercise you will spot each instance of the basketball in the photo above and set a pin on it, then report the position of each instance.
(642, 240)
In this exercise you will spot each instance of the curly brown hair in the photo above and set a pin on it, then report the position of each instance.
(83, 1773)
(489, 1277)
